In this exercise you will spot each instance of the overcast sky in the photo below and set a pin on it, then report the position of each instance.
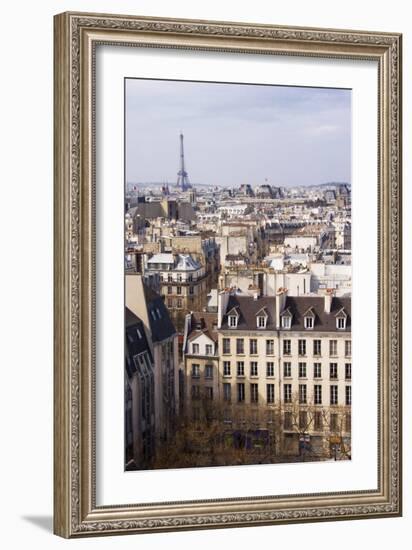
(237, 133)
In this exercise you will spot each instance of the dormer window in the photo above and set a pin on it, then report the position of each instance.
(286, 322)
(195, 349)
(286, 319)
(308, 322)
(341, 323)
(233, 321)
(309, 319)
(233, 317)
(261, 318)
(261, 321)
(341, 318)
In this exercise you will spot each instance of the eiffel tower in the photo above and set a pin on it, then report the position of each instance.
(182, 176)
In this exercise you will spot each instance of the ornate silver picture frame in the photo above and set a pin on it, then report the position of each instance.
(76, 510)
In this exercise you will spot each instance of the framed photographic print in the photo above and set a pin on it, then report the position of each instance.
(227, 274)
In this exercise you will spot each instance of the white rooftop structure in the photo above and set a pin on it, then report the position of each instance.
(187, 263)
(161, 258)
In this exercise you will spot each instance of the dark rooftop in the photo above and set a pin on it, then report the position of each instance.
(298, 306)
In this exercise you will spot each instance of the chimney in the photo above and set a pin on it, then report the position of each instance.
(281, 295)
(329, 293)
(222, 302)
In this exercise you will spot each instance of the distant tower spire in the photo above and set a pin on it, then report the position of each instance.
(182, 175)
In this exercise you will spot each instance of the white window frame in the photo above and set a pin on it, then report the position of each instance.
(286, 322)
(338, 322)
(232, 321)
(261, 321)
(309, 322)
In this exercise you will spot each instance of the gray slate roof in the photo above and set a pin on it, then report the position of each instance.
(161, 325)
(248, 307)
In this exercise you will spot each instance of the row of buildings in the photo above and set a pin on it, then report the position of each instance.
(238, 325)
(277, 367)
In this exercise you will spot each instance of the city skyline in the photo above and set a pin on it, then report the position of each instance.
(237, 133)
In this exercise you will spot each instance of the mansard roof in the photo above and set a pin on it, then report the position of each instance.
(135, 340)
(296, 306)
(203, 323)
(161, 325)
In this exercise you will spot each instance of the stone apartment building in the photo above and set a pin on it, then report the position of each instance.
(146, 309)
(201, 388)
(284, 366)
(183, 283)
(139, 395)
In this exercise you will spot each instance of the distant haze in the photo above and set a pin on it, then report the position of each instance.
(237, 134)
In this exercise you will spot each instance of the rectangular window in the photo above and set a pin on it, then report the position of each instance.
(209, 393)
(287, 393)
(302, 347)
(240, 393)
(333, 348)
(240, 368)
(317, 347)
(317, 370)
(232, 321)
(348, 348)
(226, 345)
(334, 395)
(302, 394)
(348, 371)
(254, 393)
(287, 421)
(226, 368)
(191, 290)
(209, 371)
(240, 346)
(253, 368)
(318, 394)
(333, 371)
(270, 416)
(195, 371)
(253, 346)
(209, 349)
(318, 421)
(286, 321)
(227, 392)
(348, 395)
(179, 303)
(334, 422)
(195, 349)
(179, 290)
(348, 422)
(302, 370)
(308, 322)
(270, 347)
(169, 302)
(195, 392)
(270, 369)
(286, 347)
(341, 323)
(270, 393)
(169, 290)
(287, 369)
(261, 321)
(303, 420)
